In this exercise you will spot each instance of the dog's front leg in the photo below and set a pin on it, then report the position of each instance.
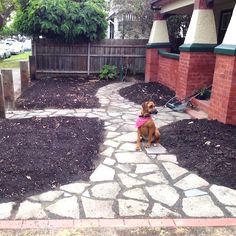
(150, 135)
(138, 145)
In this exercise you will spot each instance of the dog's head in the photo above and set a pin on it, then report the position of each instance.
(148, 108)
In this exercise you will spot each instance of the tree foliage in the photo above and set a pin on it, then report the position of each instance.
(136, 16)
(6, 8)
(62, 19)
(177, 29)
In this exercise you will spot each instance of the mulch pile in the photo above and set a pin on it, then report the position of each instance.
(142, 92)
(40, 154)
(205, 147)
(60, 93)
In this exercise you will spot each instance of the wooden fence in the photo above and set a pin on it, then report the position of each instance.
(87, 58)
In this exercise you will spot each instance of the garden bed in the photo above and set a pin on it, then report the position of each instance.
(205, 147)
(141, 92)
(60, 93)
(40, 154)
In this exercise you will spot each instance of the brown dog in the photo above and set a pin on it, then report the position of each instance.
(146, 126)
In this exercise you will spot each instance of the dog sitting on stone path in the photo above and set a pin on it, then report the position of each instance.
(145, 125)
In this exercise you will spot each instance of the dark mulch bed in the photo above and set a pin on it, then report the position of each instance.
(40, 154)
(72, 92)
(142, 92)
(206, 147)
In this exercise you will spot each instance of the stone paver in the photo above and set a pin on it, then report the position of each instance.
(191, 181)
(132, 207)
(224, 195)
(106, 190)
(125, 183)
(160, 211)
(97, 208)
(29, 210)
(136, 193)
(164, 194)
(67, 207)
(202, 206)
(5, 210)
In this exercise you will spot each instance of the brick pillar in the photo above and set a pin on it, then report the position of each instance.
(197, 58)
(159, 38)
(223, 98)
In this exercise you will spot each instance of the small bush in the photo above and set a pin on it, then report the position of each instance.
(108, 72)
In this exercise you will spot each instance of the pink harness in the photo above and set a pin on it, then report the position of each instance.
(141, 121)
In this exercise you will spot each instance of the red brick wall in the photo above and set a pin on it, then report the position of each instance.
(196, 70)
(151, 64)
(223, 98)
(168, 72)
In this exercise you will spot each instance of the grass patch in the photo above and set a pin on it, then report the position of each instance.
(13, 61)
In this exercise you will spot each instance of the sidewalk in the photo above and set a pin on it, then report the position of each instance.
(126, 184)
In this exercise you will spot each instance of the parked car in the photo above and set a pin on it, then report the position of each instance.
(16, 48)
(4, 50)
(27, 45)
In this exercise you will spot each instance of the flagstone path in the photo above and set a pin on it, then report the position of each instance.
(126, 184)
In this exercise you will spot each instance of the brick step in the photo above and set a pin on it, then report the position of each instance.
(202, 105)
(197, 114)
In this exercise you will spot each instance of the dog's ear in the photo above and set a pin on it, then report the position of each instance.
(144, 110)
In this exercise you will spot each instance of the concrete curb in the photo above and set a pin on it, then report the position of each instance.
(94, 223)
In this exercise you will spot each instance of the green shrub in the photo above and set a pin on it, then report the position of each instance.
(108, 72)
(65, 20)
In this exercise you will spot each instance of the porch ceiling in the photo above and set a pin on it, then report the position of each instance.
(184, 6)
(174, 6)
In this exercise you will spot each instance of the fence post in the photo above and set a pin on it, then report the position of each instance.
(89, 53)
(32, 67)
(2, 100)
(8, 88)
(24, 74)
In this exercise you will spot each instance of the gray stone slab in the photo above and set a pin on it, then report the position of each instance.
(29, 210)
(86, 194)
(97, 208)
(111, 128)
(108, 152)
(157, 178)
(160, 211)
(128, 181)
(111, 143)
(127, 147)
(127, 128)
(108, 161)
(174, 170)
(5, 210)
(167, 157)
(126, 168)
(146, 168)
(232, 210)
(74, 188)
(132, 157)
(112, 134)
(67, 207)
(164, 194)
(194, 193)
(202, 206)
(225, 195)
(191, 181)
(48, 196)
(132, 207)
(106, 190)
(136, 193)
(102, 173)
(158, 149)
(129, 137)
